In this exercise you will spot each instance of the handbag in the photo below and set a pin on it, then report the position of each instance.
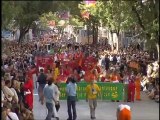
(57, 105)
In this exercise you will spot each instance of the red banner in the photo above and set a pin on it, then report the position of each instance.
(44, 62)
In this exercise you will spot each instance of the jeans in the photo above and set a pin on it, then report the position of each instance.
(71, 103)
(50, 111)
(55, 113)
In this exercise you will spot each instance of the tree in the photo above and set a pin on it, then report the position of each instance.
(25, 13)
(147, 17)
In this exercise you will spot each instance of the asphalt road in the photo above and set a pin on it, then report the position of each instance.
(106, 110)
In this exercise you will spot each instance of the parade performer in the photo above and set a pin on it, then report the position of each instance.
(28, 91)
(138, 87)
(123, 112)
(92, 91)
(56, 71)
(115, 77)
(131, 91)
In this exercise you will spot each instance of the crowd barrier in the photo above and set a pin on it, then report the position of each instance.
(109, 91)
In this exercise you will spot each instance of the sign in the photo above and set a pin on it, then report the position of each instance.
(44, 61)
(109, 91)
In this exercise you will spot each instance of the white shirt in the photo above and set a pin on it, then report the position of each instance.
(57, 93)
(111, 58)
(118, 59)
(13, 116)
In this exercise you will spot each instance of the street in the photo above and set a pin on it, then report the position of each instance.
(106, 110)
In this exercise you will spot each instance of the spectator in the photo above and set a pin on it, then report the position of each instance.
(10, 115)
(7, 91)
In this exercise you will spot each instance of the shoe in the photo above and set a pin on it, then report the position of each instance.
(93, 118)
(57, 118)
(69, 119)
(52, 116)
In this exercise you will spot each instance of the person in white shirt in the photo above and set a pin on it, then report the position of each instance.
(57, 94)
(49, 92)
(56, 97)
(10, 115)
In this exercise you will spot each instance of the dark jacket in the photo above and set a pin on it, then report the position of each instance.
(42, 78)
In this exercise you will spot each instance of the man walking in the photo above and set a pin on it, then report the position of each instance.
(92, 91)
(71, 98)
(42, 82)
(49, 95)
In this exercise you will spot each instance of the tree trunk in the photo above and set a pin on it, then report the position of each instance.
(112, 40)
(88, 31)
(96, 33)
(157, 46)
(93, 30)
(22, 34)
(118, 42)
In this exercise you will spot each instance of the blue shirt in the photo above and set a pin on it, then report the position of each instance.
(71, 89)
(48, 93)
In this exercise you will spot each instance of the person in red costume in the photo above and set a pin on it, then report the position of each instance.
(28, 92)
(131, 91)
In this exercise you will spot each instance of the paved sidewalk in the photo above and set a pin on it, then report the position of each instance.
(106, 110)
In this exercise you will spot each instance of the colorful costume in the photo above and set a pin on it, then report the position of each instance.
(124, 112)
(28, 90)
(131, 91)
(138, 88)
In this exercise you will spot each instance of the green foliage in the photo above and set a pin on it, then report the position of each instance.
(115, 14)
(147, 17)
(45, 17)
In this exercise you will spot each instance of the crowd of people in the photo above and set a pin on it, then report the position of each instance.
(20, 74)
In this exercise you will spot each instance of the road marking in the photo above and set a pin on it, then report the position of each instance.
(35, 94)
